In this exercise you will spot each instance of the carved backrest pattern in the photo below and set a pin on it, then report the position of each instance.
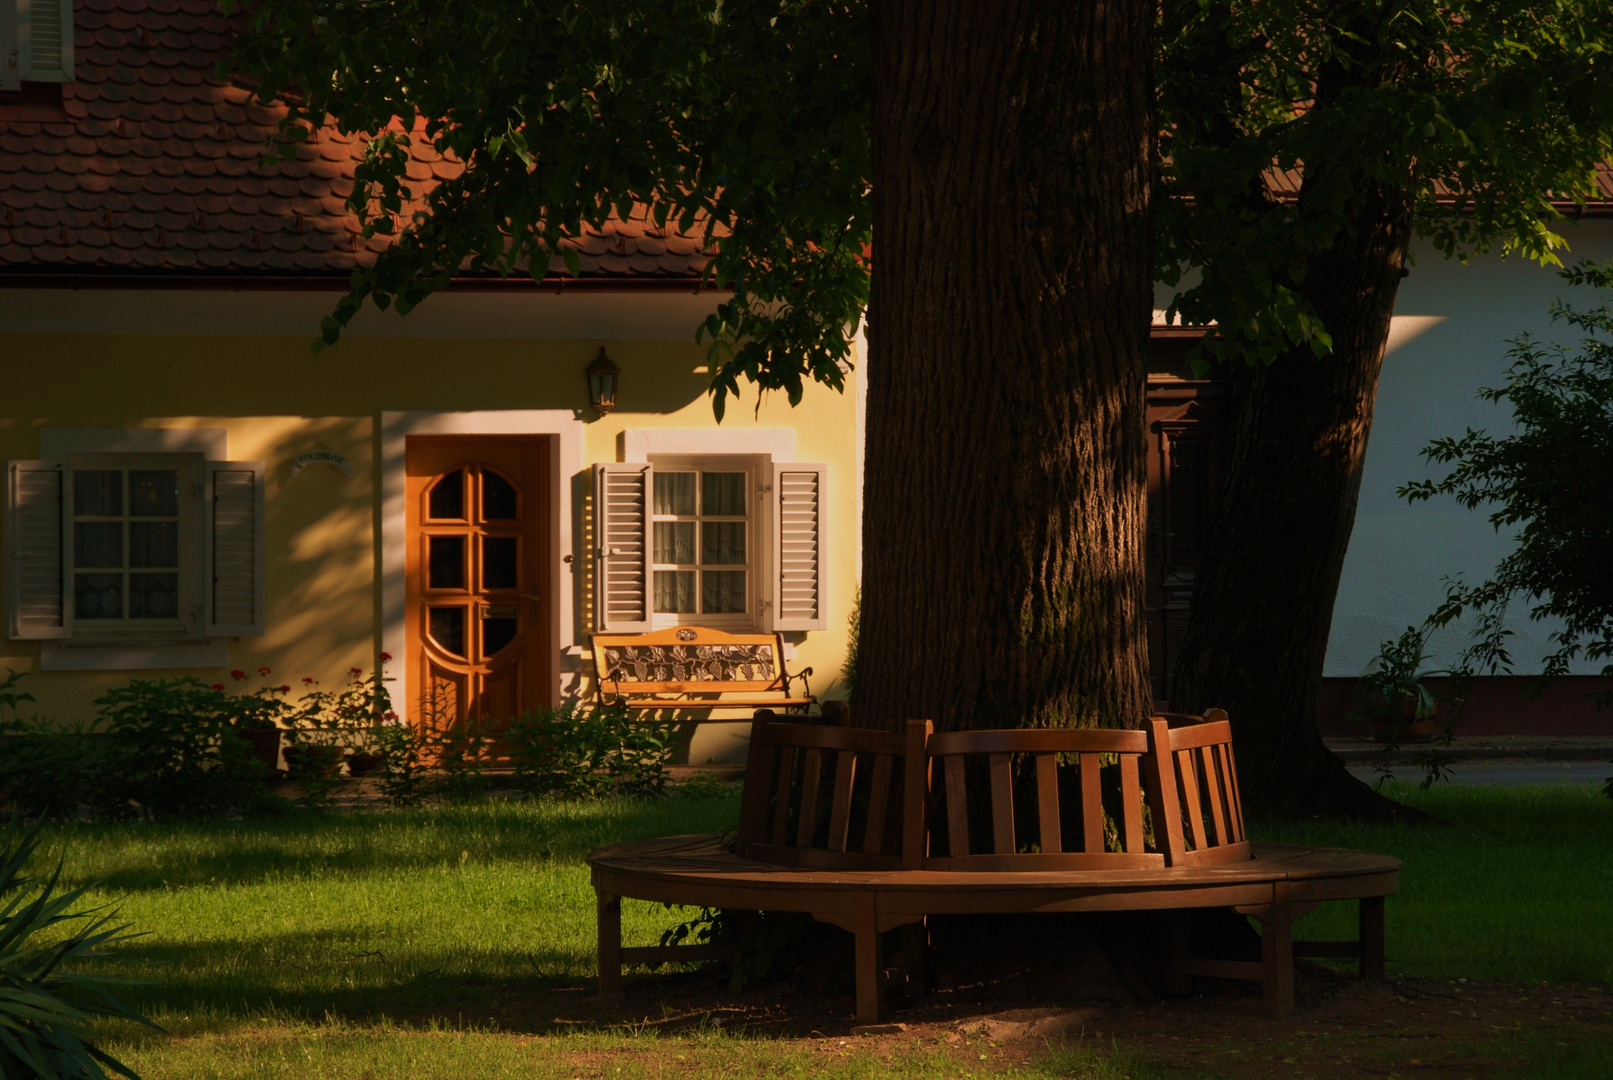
(1193, 781)
(689, 658)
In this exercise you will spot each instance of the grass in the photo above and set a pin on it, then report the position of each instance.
(437, 942)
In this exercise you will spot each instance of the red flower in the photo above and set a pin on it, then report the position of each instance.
(386, 658)
(307, 680)
(263, 671)
(218, 686)
(285, 689)
(237, 675)
(389, 715)
(355, 671)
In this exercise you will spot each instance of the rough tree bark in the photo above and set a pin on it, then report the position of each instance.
(1005, 477)
(1263, 607)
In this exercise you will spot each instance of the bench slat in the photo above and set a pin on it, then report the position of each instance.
(957, 808)
(878, 801)
(1191, 738)
(1031, 862)
(1047, 803)
(1091, 805)
(1234, 803)
(840, 808)
(811, 780)
(1132, 799)
(753, 810)
(1002, 804)
(1187, 773)
(1212, 788)
(786, 773)
(1039, 741)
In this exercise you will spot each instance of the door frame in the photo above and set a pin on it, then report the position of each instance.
(564, 434)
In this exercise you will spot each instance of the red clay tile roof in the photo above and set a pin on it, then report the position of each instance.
(149, 166)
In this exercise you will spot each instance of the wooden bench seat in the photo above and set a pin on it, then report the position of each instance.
(816, 836)
(692, 667)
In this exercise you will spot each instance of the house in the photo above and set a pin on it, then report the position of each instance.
(191, 490)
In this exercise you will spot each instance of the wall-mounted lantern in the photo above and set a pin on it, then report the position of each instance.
(602, 383)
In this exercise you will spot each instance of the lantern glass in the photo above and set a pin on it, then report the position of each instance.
(602, 376)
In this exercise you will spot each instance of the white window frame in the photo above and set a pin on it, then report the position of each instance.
(97, 650)
(754, 468)
(188, 626)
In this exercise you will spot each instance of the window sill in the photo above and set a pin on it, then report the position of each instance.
(83, 655)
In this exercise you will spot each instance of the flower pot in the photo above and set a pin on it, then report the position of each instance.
(1403, 729)
(265, 747)
(317, 761)
(362, 763)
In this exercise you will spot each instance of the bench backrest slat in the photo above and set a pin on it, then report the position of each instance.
(1193, 787)
(1039, 752)
(822, 797)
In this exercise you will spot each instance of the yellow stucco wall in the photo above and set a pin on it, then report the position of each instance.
(276, 399)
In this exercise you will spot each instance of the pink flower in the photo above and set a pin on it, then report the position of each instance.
(263, 671)
(386, 658)
(238, 675)
(217, 686)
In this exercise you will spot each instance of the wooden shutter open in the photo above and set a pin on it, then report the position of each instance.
(799, 547)
(623, 584)
(35, 609)
(235, 548)
(44, 40)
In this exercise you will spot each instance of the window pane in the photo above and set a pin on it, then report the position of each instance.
(97, 492)
(97, 543)
(153, 596)
(448, 497)
(153, 493)
(97, 596)
(722, 592)
(446, 569)
(499, 562)
(722, 542)
(448, 629)
(674, 590)
(674, 493)
(497, 633)
(674, 541)
(498, 498)
(722, 493)
(153, 543)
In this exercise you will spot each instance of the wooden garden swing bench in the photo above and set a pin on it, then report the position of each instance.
(870, 831)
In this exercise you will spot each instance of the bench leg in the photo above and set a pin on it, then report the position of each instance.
(610, 943)
(867, 934)
(915, 939)
(1371, 931)
(1277, 956)
(1174, 945)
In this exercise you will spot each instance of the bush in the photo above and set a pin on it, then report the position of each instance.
(573, 752)
(45, 1009)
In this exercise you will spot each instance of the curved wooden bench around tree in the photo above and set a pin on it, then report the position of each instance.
(871, 831)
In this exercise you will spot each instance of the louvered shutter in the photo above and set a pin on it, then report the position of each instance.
(34, 605)
(798, 549)
(235, 548)
(623, 584)
(44, 40)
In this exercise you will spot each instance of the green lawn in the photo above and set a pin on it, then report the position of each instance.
(438, 942)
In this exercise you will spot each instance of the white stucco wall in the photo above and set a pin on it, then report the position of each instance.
(1453, 322)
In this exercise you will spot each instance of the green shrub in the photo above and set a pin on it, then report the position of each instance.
(45, 1009)
(577, 752)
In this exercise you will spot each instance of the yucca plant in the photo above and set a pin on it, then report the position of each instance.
(45, 1009)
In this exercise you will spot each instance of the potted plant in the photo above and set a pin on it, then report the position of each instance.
(1393, 694)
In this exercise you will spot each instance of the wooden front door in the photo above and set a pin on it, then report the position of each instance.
(477, 615)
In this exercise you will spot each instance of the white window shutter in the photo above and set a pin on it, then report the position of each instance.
(624, 587)
(35, 604)
(235, 548)
(10, 60)
(44, 40)
(800, 537)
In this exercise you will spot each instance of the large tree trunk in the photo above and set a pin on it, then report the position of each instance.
(1257, 635)
(1005, 481)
